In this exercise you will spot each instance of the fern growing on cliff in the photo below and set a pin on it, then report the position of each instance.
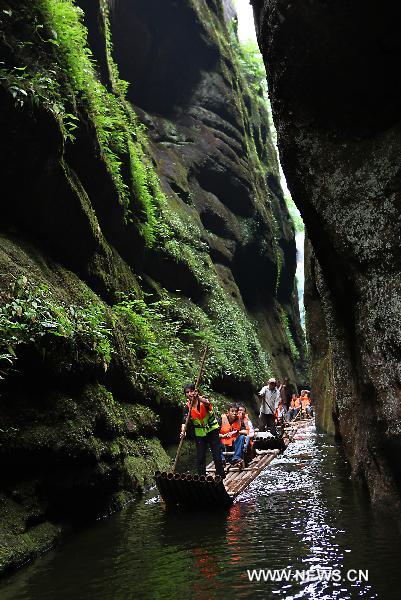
(31, 313)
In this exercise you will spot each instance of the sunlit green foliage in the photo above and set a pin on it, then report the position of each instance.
(295, 215)
(253, 67)
(162, 359)
(250, 61)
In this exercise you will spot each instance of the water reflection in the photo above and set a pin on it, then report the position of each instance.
(301, 513)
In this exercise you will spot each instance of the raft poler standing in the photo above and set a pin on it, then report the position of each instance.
(271, 397)
(206, 429)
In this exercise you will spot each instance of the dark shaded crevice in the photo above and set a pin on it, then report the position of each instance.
(255, 275)
(154, 57)
(234, 388)
(93, 21)
(213, 222)
(84, 158)
(173, 274)
(287, 275)
(230, 190)
(184, 195)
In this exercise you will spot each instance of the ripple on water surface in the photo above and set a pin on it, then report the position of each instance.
(301, 513)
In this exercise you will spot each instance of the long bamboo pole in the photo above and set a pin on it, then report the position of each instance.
(189, 411)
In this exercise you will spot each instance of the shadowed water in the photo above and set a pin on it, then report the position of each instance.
(301, 512)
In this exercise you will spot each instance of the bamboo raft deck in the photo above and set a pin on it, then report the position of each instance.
(186, 491)
(237, 479)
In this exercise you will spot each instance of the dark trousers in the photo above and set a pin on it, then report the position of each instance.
(266, 423)
(211, 438)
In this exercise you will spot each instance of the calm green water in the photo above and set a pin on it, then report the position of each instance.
(303, 511)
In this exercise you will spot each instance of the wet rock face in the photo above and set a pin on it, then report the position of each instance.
(336, 103)
(204, 125)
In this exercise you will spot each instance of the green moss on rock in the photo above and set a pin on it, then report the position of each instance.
(105, 314)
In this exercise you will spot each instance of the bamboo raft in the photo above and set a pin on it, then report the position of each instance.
(186, 491)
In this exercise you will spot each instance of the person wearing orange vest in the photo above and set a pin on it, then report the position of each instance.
(246, 424)
(306, 404)
(232, 437)
(295, 406)
(206, 429)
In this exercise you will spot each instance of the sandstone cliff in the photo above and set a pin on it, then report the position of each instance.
(336, 103)
(139, 223)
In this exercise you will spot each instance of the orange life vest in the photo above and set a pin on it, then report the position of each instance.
(305, 402)
(198, 414)
(203, 419)
(297, 403)
(226, 426)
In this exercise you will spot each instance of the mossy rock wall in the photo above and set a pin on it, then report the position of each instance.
(140, 224)
(339, 138)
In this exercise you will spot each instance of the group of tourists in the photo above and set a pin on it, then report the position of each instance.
(274, 409)
(232, 432)
(300, 406)
(231, 435)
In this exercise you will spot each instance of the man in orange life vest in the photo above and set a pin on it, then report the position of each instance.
(232, 437)
(206, 429)
(295, 406)
(306, 404)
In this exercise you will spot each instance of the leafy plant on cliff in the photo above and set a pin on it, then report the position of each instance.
(163, 362)
(167, 336)
(64, 20)
(32, 313)
(253, 67)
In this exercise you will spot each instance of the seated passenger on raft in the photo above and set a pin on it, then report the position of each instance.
(246, 425)
(232, 437)
(295, 407)
(307, 410)
(280, 413)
